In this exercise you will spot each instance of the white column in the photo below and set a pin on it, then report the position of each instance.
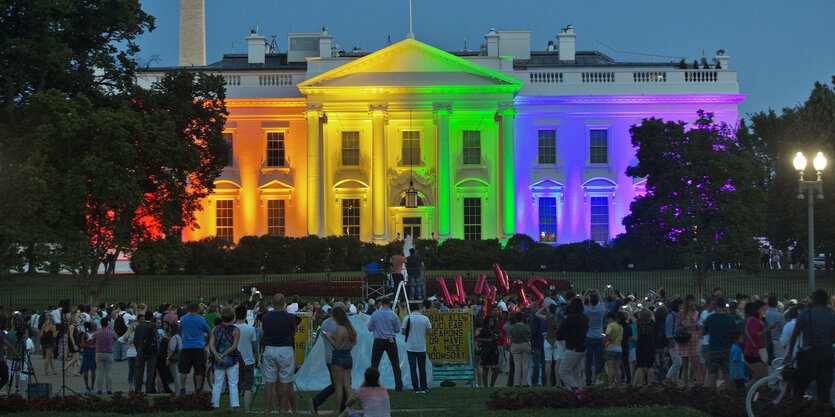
(378, 172)
(508, 177)
(441, 115)
(314, 159)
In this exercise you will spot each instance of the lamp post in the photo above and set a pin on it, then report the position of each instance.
(809, 189)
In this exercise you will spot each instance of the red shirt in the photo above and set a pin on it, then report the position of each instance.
(104, 339)
(397, 262)
(753, 326)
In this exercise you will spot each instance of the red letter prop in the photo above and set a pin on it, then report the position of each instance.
(523, 298)
(501, 277)
(459, 286)
(480, 285)
(447, 298)
(532, 286)
(489, 299)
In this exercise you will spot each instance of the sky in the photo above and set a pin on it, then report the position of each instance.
(780, 48)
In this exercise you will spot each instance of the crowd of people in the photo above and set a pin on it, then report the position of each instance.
(570, 340)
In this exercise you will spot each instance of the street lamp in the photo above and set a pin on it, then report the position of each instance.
(810, 189)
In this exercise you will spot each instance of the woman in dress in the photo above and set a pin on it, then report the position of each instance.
(688, 319)
(343, 340)
(48, 335)
(753, 337)
(644, 346)
(73, 340)
(88, 358)
(488, 340)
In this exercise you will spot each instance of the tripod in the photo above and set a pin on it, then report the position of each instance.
(64, 388)
(20, 364)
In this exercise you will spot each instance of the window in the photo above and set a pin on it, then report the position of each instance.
(471, 152)
(275, 149)
(351, 217)
(275, 217)
(472, 219)
(224, 214)
(600, 219)
(403, 201)
(411, 227)
(547, 219)
(411, 147)
(350, 148)
(227, 136)
(598, 146)
(547, 146)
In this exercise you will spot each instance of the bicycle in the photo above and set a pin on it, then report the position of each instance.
(766, 393)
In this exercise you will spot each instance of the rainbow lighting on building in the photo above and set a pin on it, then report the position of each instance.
(495, 142)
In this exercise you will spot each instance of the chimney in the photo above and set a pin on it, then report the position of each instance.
(565, 44)
(492, 43)
(325, 42)
(721, 59)
(192, 33)
(256, 48)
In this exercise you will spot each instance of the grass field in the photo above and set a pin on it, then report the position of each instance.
(40, 290)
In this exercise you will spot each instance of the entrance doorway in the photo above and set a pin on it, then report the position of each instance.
(411, 227)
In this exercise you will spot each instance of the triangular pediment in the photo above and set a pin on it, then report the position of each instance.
(409, 64)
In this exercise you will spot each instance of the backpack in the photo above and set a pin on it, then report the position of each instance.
(149, 342)
(119, 326)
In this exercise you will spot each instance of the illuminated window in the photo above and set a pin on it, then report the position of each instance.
(547, 146)
(472, 219)
(227, 136)
(471, 151)
(411, 147)
(411, 227)
(351, 217)
(350, 148)
(599, 146)
(275, 217)
(547, 219)
(600, 219)
(275, 149)
(224, 214)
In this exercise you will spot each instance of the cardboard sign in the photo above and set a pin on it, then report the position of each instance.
(302, 337)
(451, 331)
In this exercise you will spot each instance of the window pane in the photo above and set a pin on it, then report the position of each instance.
(350, 148)
(351, 217)
(472, 219)
(471, 151)
(599, 219)
(598, 146)
(547, 146)
(411, 147)
(227, 136)
(224, 220)
(275, 149)
(275, 218)
(547, 219)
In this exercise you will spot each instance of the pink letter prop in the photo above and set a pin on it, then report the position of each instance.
(532, 286)
(459, 286)
(520, 289)
(480, 285)
(489, 299)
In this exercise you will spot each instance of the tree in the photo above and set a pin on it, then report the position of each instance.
(701, 189)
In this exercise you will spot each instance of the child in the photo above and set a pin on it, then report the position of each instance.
(737, 371)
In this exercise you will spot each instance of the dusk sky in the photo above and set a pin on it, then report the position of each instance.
(780, 48)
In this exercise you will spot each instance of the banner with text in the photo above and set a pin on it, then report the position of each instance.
(451, 331)
(302, 337)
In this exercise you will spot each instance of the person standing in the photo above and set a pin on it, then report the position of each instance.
(669, 333)
(193, 353)
(688, 351)
(415, 327)
(773, 316)
(614, 348)
(520, 348)
(330, 326)
(145, 340)
(385, 326)
(341, 361)
(278, 360)
(172, 354)
(594, 343)
(246, 347)
(815, 358)
(488, 339)
(414, 267)
(104, 339)
(573, 331)
(223, 344)
(88, 358)
(397, 262)
(538, 329)
(644, 347)
(718, 329)
(754, 334)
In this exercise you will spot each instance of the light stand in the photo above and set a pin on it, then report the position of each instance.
(64, 388)
(810, 189)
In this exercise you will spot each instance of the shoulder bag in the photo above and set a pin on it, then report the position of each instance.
(763, 352)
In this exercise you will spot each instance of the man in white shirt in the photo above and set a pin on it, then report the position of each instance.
(246, 346)
(710, 307)
(294, 306)
(416, 326)
(502, 304)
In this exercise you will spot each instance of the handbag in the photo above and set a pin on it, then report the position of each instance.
(682, 336)
(763, 352)
(226, 361)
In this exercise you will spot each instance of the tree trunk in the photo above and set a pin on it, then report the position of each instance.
(31, 259)
(699, 274)
(91, 283)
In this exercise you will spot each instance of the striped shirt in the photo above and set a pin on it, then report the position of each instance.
(104, 339)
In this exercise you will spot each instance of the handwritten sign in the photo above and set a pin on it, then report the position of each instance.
(302, 337)
(451, 332)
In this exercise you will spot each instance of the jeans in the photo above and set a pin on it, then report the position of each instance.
(390, 348)
(415, 287)
(672, 373)
(570, 368)
(172, 367)
(120, 351)
(594, 354)
(230, 375)
(417, 368)
(145, 364)
(104, 370)
(538, 369)
(522, 359)
(131, 370)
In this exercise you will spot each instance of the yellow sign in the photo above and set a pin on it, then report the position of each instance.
(302, 337)
(451, 331)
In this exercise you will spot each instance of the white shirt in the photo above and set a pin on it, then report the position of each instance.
(292, 308)
(417, 332)
(56, 316)
(502, 305)
(702, 318)
(245, 342)
(786, 337)
(250, 317)
(352, 309)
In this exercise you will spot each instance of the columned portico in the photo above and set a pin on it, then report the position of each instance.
(441, 116)
(378, 169)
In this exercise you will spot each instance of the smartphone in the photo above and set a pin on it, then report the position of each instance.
(609, 286)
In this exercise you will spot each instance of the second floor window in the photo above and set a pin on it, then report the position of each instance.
(350, 148)
(471, 147)
(411, 147)
(599, 146)
(547, 146)
(275, 149)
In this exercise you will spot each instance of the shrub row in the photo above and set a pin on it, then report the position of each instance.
(283, 255)
(132, 403)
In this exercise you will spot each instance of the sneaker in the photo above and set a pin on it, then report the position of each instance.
(314, 408)
(426, 391)
(417, 391)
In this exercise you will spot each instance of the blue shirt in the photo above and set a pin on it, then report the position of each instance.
(384, 324)
(817, 324)
(537, 331)
(719, 327)
(737, 363)
(193, 327)
(595, 315)
(670, 326)
(772, 316)
(279, 328)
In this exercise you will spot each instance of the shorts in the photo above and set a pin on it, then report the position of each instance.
(342, 359)
(554, 352)
(633, 355)
(278, 363)
(193, 357)
(246, 378)
(718, 359)
(753, 359)
(611, 355)
(704, 354)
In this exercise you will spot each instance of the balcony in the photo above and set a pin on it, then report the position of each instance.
(626, 81)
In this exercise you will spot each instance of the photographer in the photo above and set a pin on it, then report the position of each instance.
(5, 343)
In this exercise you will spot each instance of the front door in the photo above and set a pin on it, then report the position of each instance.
(411, 227)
